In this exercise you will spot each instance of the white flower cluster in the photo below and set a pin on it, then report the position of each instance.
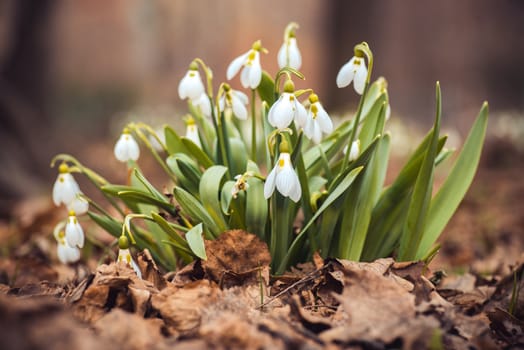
(66, 191)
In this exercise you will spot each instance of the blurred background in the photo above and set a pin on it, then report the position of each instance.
(73, 72)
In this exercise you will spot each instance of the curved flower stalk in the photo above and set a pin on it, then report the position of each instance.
(249, 62)
(126, 148)
(234, 100)
(289, 54)
(124, 255)
(318, 121)
(287, 108)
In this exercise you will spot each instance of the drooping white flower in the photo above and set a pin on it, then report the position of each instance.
(235, 100)
(203, 103)
(191, 85)
(79, 205)
(284, 178)
(65, 188)
(354, 151)
(192, 132)
(158, 140)
(74, 234)
(354, 70)
(287, 108)
(318, 120)
(252, 70)
(124, 255)
(126, 147)
(289, 54)
(66, 254)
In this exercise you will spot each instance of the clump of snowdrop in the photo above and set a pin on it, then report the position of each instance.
(126, 148)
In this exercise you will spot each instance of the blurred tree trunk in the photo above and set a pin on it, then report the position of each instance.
(24, 124)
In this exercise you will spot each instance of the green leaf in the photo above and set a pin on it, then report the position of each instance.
(173, 142)
(334, 194)
(266, 89)
(107, 223)
(181, 246)
(256, 208)
(192, 207)
(148, 186)
(238, 156)
(140, 197)
(457, 183)
(197, 153)
(418, 208)
(196, 241)
(209, 189)
(186, 171)
(360, 201)
(373, 125)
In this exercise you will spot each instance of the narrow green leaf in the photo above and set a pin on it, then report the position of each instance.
(256, 208)
(418, 208)
(140, 177)
(173, 141)
(107, 223)
(266, 89)
(179, 242)
(192, 207)
(196, 241)
(369, 128)
(334, 194)
(456, 185)
(196, 153)
(209, 189)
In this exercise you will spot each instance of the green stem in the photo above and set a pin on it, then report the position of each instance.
(253, 127)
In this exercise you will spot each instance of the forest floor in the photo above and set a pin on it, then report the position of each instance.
(467, 298)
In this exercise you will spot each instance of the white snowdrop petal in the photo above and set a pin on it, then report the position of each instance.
(79, 205)
(255, 74)
(301, 115)
(203, 102)
(235, 66)
(360, 78)
(296, 191)
(282, 56)
(244, 77)
(241, 96)
(346, 74)
(192, 134)
(285, 181)
(295, 58)
(269, 185)
(239, 109)
(222, 103)
(62, 253)
(324, 121)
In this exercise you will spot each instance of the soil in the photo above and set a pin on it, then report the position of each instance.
(466, 299)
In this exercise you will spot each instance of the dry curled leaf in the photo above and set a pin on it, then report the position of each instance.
(236, 258)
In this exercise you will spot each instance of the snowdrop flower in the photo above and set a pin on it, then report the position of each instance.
(66, 254)
(192, 132)
(235, 100)
(65, 188)
(158, 140)
(287, 108)
(79, 205)
(289, 54)
(191, 85)
(74, 234)
(124, 255)
(204, 104)
(241, 183)
(284, 178)
(252, 73)
(354, 70)
(318, 120)
(354, 151)
(126, 147)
